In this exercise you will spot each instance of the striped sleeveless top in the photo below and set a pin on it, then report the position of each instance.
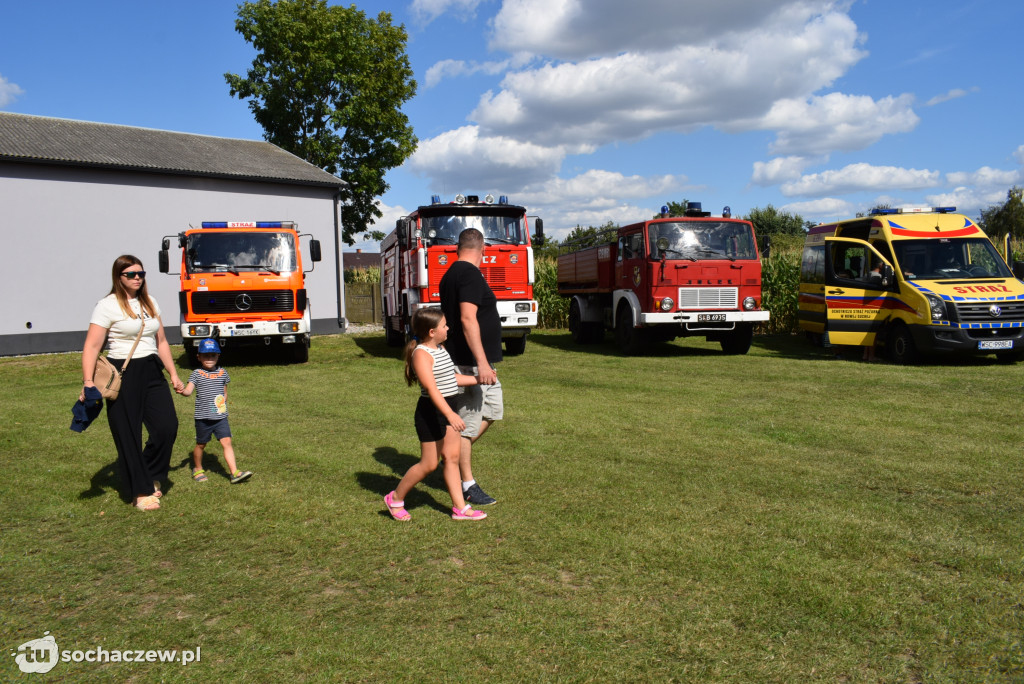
(444, 372)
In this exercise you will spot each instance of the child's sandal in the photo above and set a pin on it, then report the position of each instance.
(396, 508)
(199, 475)
(467, 513)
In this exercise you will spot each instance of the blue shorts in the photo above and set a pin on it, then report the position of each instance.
(218, 427)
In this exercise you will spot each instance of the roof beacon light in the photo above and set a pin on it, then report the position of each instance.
(726, 211)
(914, 210)
(247, 224)
(489, 199)
(472, 199)
(460, 199)
(435, 199)
(503, 199)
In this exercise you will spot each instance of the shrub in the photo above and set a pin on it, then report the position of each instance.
(362, 275)
(554, 309)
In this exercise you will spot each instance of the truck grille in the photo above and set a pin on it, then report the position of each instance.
(979, 312)
(243, 301)
(494, 275)
(708, 298)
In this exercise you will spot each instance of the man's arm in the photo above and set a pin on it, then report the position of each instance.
(471, 331)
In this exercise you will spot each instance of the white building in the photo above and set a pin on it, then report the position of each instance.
(74, 195)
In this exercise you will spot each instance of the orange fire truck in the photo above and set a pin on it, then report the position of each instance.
(242, 283)
(690, 275)
(417, 254)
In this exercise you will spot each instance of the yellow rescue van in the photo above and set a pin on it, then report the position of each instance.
(914, 280)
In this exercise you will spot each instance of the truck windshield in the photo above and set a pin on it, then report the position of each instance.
(240, 251)
(697, 240)
(945, 259)
(444, 230)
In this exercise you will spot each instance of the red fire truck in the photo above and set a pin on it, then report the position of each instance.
(242, 283)
(417, 254)
(690, 275)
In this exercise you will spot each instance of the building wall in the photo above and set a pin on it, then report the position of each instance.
(62, 228)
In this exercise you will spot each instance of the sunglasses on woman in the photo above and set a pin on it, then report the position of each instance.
(132, 275)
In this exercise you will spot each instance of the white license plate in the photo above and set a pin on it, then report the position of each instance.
(995, 344)
(712, 318)
(244, 332)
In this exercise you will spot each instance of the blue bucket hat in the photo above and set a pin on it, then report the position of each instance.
(209, 346)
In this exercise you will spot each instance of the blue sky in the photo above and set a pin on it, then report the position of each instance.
(594, 110)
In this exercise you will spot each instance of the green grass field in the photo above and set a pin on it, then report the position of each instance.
(686, 516)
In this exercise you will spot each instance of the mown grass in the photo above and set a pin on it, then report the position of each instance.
(686, 516)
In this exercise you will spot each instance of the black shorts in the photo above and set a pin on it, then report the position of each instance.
(431, 423)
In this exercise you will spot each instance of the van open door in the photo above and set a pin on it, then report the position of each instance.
(858, 280)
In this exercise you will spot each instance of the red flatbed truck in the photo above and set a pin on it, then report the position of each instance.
(690, 275)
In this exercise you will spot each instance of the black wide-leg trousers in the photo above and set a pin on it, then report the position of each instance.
(144, 401)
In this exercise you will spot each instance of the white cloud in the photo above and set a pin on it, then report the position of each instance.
(836, 122)
(451, 68)
(823, 209)
(463, 160)
(861, 177)
(779, 170)
(428, 10)
(969, 201)
(9, 92)
(1019, 155)
(597, 189)
(730, 80)
(947, 96)
(580, 29)
(985, 177)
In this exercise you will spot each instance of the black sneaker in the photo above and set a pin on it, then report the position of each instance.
(478, 497)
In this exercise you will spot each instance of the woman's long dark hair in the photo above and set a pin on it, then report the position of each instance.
(121, 263)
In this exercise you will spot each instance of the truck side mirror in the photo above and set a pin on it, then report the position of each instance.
(1018, 270)
(402, 227)
(163, 259)
(888, 277)
(538, 229)
(314, 250)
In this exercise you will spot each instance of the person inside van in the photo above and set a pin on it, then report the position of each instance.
(874, 276)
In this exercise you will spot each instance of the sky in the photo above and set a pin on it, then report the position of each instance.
(589, 111)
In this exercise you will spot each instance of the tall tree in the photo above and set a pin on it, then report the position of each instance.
(1008, 217)
(327, 84)
(771, 221)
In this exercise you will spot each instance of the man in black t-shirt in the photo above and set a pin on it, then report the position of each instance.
(474, 343)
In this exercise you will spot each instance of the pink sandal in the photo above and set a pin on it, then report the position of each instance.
(396, 508)
(467, 513)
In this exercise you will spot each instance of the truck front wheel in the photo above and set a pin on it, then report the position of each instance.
(514, 346)
(901, 347)
(300, 351)
(632, 341)
(738, 341)
(581, 331)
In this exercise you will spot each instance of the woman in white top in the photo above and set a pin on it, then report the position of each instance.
(144, 399)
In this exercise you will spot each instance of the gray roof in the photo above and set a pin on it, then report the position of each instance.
(44, 140)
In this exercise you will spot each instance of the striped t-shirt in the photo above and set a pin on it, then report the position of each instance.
(211, 403)
(444, 372)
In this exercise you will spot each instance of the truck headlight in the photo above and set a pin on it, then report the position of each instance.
(937, 306)
(666, 304)
(749, 304)
(523, 307)
(287, 327)
(200, 330)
